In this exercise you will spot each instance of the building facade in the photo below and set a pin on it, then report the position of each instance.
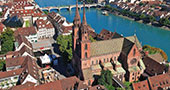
(120, 55)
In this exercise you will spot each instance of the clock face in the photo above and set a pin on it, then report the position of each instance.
(133, 61)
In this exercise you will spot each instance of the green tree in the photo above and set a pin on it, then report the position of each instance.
(1, 13)
(7, 40)
(106, 79)
(142, 16)
(164, 21)
(2, 64)
(91, 39)
(65, 47)
(151, 18)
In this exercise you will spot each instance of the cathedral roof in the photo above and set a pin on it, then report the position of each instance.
(106, 46)
(114, 46)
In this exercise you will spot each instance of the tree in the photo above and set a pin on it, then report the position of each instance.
(2, 64)
(164, 21)
(142, 16)
(7, 40)
(151, 18)
(65, 47)
(106, 79)
(91, 39)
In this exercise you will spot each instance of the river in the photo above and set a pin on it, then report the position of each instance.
(146, 34)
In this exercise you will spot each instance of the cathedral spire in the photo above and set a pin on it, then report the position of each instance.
(84, 15)
(77, 20)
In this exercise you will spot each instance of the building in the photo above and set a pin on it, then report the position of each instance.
(142, 85)
(70, 83)
(29, 32)
(45, 29)
(120, 55)
(153, 67)
(9, 78)
(158, 82)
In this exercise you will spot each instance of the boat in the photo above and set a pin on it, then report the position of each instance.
(105, 13)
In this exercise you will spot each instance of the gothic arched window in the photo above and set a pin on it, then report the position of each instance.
(85, 46)
(134, 52)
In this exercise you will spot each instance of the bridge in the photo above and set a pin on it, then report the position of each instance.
(69, 7)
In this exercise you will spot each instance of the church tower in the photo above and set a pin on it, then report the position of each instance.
(77, 23)
(84, 37)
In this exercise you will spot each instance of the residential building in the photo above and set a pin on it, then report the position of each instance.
(64, 84)
(45, 29)
(158, 82)
(142, 85)
(30, 33)
(153, 67)
(120, 55)
(9, 78)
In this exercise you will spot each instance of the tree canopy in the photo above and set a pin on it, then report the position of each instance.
(106, 79)
(2, 64)
(7, 41)
(65, 47)
(164, 21)
(153, 50)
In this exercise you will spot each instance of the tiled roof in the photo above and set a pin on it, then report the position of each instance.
(26, 31)
(135, 40)
(106, 34)
(40, 23)
(162, 81)
(142, 85)
(14, 61)
(153, 67)
(106, 46)
(87, 74)
(157, 57)
(10, 73)
(30, 68)
(21, 39)
(20, 87)
(64, 84)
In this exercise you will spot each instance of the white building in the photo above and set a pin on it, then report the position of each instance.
(45, 29)
(45, 59)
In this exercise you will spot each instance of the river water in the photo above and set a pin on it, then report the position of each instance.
(146, 34)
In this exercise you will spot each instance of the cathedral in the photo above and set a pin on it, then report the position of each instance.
(121, 55)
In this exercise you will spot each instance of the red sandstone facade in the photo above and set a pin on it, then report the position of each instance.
(120, 55)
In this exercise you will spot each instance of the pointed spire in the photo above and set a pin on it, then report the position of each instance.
(84, 15)
(77, 19)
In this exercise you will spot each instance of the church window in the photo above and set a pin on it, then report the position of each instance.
(114, 58)
(92, 62)
(89, 82)
(107, 59)
(85, 54)
(134, 52)
(85, 46)
(96, 61)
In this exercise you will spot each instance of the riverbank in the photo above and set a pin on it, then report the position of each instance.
(139, 21)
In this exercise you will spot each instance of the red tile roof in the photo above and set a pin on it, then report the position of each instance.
(21, 39)
(10, 73)
(20, 87)
(162, 81)
(26, 31)
(63, 84)
(143, 85)
(40, 23)
(14, 61)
